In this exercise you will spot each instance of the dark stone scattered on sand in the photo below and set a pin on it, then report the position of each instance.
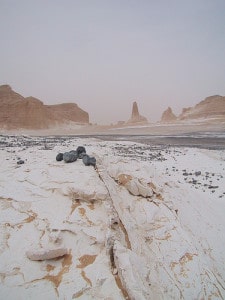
(85, 159)
(20, 162)
(69, 157)
(89, 161)
(81, 155)
(197, 173)
(59, 156)
(213, 187)
(92, 161)
(73, 155)
(80, 150)
(74, 152)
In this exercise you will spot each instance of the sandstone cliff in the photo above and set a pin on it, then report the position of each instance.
(168, 116)
(136, 118)
(211, 107)
(30, 113)
(68, 112)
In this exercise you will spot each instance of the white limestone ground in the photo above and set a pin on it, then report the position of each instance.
(146, 224)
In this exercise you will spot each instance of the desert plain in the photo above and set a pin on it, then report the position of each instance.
(147, 222)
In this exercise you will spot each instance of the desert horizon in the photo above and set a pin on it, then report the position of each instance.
(29, 113)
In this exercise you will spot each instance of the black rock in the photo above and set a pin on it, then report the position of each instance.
(89, 161)
(92, 161)
(81, 155)
(197, 173)
(85, 160)
(59, 156)
(20, 162)
(74, 152)
(80, 150)
(213, 187)
(69, 157)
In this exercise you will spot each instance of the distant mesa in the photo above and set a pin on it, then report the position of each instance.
(210, 109)
(31, 113)
(168, 116)
(136, 118)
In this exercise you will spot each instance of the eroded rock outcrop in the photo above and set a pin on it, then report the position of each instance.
(211, 108)
(136, 118)
(168, 116)
(31, 113)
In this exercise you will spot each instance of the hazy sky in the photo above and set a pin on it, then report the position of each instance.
(105, 54)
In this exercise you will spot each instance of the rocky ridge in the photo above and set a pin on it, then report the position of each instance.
(31, 113)
(212, 108)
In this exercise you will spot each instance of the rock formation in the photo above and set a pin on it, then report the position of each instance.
(30, 113)
(136, 118)
(168, 116)
(211, 108)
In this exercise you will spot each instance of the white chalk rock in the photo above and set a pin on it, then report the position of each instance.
(133, 273)
(87, 195)
(44, 254)
(135, 186)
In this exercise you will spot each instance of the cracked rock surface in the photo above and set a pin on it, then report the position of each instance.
(131, 228)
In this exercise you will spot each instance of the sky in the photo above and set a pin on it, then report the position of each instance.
(105, 54)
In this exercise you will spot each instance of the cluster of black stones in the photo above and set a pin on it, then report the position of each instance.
(73, 155)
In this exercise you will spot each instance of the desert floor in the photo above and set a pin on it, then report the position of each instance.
(146, 223)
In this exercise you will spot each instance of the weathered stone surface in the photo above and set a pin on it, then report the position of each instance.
(135, 186)
(30, 113)
(133, 272)
(168, 116)
(170, 246)
(136, 117)
(88, 195)
(45, 254)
